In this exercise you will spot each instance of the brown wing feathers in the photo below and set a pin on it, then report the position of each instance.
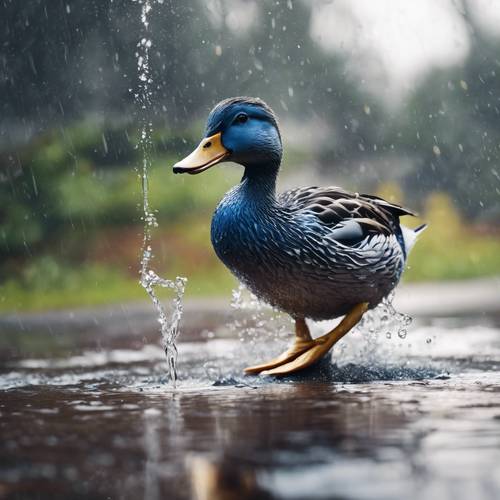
(333, 206)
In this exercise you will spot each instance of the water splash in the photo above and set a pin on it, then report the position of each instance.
(169, 325)
(261, 330)
(373, 340)
(260, 321)
(375, 344)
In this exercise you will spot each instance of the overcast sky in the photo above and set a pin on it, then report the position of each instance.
(391, 44)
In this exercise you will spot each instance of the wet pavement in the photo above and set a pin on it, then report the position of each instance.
(85, 415)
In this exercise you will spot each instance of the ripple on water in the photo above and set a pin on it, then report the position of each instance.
(219, 362)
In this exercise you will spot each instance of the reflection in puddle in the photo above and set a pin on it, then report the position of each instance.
(221, 478)
(152, 454)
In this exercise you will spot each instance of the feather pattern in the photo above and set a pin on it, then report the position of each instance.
(287, 251)
(333, 205)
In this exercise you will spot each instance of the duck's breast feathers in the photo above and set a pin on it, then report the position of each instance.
(351, 217)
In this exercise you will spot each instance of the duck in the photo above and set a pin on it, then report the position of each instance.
(316, 253)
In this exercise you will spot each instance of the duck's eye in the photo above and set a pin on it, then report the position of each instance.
(241, 118)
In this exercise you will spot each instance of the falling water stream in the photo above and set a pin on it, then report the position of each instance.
(149, 279)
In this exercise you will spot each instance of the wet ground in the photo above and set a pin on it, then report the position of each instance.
(85, 415)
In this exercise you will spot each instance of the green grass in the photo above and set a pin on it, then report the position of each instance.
(467, 256)
(95, 285)
(88, 286)
(449, 249)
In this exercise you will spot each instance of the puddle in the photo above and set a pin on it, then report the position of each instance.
(418, 418)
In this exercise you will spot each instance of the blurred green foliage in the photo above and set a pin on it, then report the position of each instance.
(449, 248)
(450, 128)
(47, 283)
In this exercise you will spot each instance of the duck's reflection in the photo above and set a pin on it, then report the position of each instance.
(220, 478)
(233, 437)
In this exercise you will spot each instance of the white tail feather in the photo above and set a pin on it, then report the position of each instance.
(410, 236)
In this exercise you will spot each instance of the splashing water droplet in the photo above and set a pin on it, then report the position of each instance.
(379, 324)
(169, 324)
(260, 326)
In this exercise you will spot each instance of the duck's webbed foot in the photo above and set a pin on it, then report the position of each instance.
(306, 351)
(303, 342)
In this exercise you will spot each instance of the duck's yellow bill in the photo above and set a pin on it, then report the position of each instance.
(209, 152)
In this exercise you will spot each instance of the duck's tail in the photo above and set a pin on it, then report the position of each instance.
(410, 236)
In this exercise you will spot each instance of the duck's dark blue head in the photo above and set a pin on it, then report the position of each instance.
(243, 130)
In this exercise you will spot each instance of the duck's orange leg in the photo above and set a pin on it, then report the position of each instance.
(306, 351)
(303, 342)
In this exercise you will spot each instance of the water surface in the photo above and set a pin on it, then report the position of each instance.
(83, 416)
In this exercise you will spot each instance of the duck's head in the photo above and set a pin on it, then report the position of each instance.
(243, 130)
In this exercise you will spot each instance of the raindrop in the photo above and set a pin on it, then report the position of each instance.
(258, 65)
(105, 144)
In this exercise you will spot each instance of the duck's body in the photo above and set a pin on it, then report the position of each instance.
(282, 250)
(312, 252)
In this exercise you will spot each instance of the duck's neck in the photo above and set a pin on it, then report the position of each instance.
(259, 183)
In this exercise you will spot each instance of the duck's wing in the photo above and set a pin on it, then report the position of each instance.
(351, 216)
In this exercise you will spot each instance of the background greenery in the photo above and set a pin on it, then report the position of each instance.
(70, 221)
